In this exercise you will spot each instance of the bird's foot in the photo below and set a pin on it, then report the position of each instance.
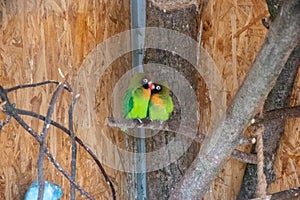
(140, 121)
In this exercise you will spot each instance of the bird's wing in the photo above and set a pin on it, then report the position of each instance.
(127, 103)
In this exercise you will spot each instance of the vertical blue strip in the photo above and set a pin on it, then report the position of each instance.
(138, 20)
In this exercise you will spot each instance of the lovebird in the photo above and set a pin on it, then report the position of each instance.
(161, 103)
(52, 191)
(136, 99)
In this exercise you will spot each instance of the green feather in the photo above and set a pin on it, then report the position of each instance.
(136, 98)
(161, 104)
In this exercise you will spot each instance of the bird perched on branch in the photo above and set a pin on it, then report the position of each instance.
(52, 191)
(136, 98)
(161, 103)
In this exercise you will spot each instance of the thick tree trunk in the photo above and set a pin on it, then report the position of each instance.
(182, 17)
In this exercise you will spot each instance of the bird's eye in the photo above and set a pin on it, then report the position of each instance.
(145, 80)
(158, 87)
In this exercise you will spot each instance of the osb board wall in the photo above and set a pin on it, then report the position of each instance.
(232, 34)
(37, 38)
(287, 160)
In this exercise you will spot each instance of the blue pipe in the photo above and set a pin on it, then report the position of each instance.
(138, 20)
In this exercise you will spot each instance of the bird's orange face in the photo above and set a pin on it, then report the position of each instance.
(155, 96)
(155, 99)
(146, 93)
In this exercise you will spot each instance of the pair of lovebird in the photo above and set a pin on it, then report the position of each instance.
(145, 99)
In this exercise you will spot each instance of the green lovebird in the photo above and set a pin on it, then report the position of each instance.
(161, 103)
(135, 101)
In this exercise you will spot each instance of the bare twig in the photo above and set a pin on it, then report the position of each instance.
(283, 113)
(44, 133)
(74, 147)
(31, 85)
(10, 110)
(6, 121)
(59, 168)
(79, 141)
(187, 131)
(154, 125)
(55, 163)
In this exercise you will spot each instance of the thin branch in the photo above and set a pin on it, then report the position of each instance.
(291, 194)
(79, 141)
(31, 85)
(10, 110)
(6, 121)
(154, 125)
(74, 147)
(187, 131)
(44, 133)
(163, 126)
(59, 168)
(282, 113)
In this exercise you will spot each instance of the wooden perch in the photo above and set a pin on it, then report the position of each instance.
(283, 113)
(187, 131)
(283, 36)
(271, 115)
(154, 125)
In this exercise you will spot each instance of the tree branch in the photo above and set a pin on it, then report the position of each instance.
(283, 36)
(291, 194)
(78, 140)
(283, 114)
(44, 133)
(74, 146)
(10, 110)
(154, 125)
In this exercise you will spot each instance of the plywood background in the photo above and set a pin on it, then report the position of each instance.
(38, 37)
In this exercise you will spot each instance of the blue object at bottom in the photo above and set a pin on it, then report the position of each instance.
(52, 191)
